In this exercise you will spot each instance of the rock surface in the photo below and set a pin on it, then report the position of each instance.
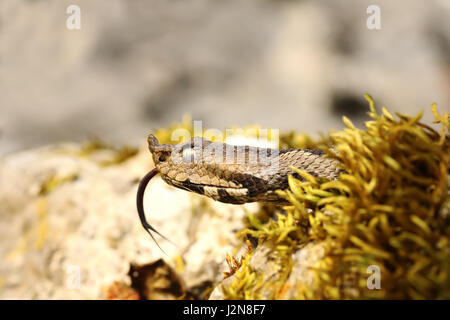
(265, 261)
(80, 232)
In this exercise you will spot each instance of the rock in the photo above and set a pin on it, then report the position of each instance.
(266, 262)
(69, 226)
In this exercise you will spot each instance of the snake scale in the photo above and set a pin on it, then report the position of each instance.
(230, 174)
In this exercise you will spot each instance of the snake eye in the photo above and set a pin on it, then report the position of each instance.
(162, 157)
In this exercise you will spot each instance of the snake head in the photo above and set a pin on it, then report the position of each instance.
(171, 159)
(160, 152)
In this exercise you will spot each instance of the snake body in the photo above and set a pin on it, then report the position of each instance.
(231, 174)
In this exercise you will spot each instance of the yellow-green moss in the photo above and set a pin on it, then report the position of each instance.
(54, 181)
(119, 156)
(387, 210)
(246, 284)
(390, 209)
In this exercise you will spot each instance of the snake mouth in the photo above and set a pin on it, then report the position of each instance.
(185, 184)
(224, 194)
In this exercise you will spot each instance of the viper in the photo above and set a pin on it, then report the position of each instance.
(229, 173)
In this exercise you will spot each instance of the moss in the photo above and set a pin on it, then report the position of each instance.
(247, 282)
(54, 182)
(42, 225)
(233, 265)
(164, 135)
(390, 208)
(119, 155)
(387, 210)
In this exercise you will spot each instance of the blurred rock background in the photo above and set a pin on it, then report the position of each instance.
(138, 65)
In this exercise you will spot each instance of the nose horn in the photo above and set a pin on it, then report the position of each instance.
(152, 142)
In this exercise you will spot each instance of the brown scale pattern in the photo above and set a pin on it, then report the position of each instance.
(200, 166)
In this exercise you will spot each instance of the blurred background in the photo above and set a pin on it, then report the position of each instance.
(137, 65)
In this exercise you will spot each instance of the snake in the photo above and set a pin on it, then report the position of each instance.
(230, 173)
